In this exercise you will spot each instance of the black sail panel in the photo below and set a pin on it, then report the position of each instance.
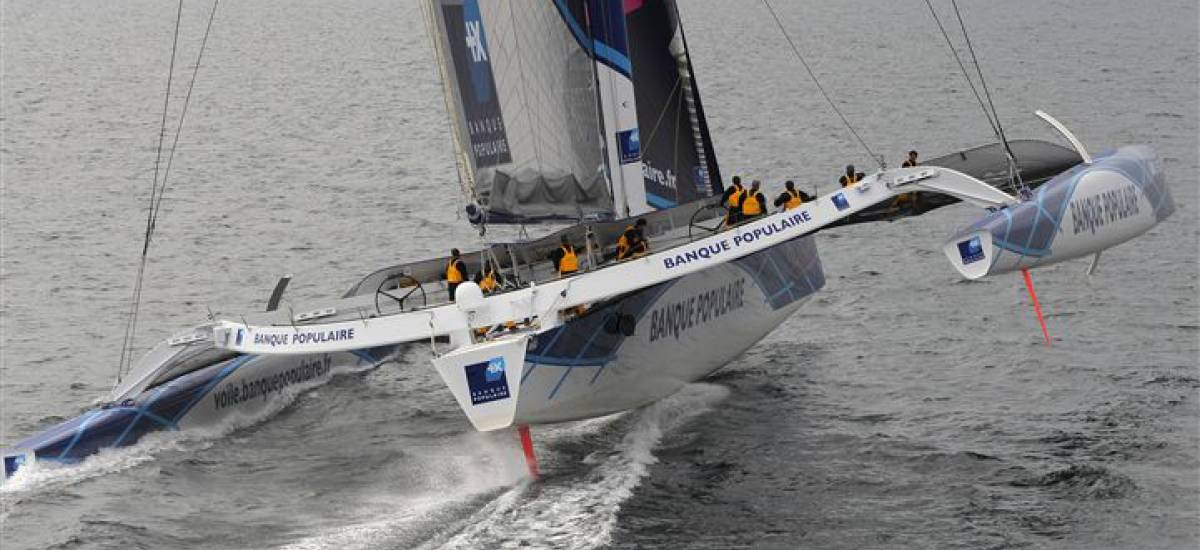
(678, 161)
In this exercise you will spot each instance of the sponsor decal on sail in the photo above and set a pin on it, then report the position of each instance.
(484, 123)
(631, 145)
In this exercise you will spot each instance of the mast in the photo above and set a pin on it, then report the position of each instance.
(618, 103)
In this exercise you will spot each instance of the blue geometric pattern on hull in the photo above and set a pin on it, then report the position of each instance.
(589, 341)
(787, 272)
(784, 273)
(156, 409)
(1029, 228)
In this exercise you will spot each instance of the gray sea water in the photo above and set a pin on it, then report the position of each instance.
(903, 408)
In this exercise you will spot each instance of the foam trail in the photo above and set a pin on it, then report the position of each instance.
(581, 513)
(472, 471)
(43, 475)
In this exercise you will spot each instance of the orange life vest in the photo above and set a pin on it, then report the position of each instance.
(569, 262)
(735, 198)
(849, 179)
(624, 244)
(453, 275)
(794, 200)
(751, 205)
(489, 283)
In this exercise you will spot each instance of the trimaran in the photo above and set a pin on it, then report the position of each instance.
(586, 113)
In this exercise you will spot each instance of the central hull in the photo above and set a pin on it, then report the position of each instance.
(648, 344)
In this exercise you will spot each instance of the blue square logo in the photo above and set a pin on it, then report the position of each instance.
(839, 200)
(486, 381)
(631, 145)
(971, 250)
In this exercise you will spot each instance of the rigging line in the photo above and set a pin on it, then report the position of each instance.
(679, 108)
(136, 295)
(161, 191)
(183, 113)
(1014, 172)
(466, 182)
(967, 75)
(162, 131)
(663, 112)
(602, 135)
(813, 76)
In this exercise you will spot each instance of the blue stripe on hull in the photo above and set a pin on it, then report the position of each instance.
(156, 409)
(784, 273)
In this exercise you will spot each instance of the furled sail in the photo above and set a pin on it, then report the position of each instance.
(522, 97)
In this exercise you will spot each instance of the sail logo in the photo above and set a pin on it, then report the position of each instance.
(839, 200)
(631, 146)
(483, 123)
(486, 381)
(656, 176)
(475, 41)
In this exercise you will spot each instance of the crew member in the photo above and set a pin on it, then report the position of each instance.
(791, 197)
(565, 260)
(633, 240)
(732, 199)
(489, 280)
(456, 272)
(908, 200)
(851, 177)
(754, 203)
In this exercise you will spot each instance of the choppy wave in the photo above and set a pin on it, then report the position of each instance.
(580, 510)
(1083, 481)
(48, 475)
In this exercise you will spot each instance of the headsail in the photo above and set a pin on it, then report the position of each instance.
(572, 109)
(678, 161)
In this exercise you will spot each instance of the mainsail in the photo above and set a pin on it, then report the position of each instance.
(522, 96)
(572, 109)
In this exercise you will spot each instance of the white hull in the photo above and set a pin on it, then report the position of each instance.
(686, 329)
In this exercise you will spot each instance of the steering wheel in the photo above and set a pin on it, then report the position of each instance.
(401, 281)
